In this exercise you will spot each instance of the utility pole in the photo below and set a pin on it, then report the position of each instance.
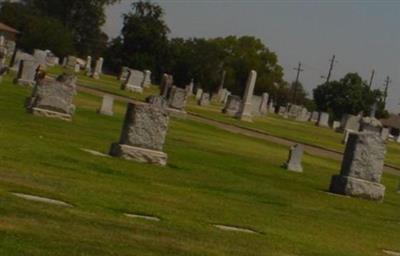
(330, 68)
(296, 84)
(372, 78)
(387, 82)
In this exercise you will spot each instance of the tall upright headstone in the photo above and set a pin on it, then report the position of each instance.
(26, 72)
(147, 79)
(221, 85)
(199, 92)
(143, 135)
(107, 105)
(264, 104)
(88, 65)
(362, 167)
(123, 75)
(166, 85)
(245, 113)
(323, 119)
(98, 70)
(271, 107)
(294, 161)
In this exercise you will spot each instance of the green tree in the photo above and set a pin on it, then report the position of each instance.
(37, 31)
(143, 42)
(84, 18)
(348, 95)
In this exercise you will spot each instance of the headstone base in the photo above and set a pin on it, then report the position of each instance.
(293, 168)
(105, 113)
(230, 113)
(50, 114)
(181, 114)
(354, 187)
(246, 118)
(141, 155)
(134, 89)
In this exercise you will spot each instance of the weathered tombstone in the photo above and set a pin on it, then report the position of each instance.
(88, 65)
(77, 68)
(107, 105)
(282, 110)
(346, 134)
(245, 112)
(177, 102)
(124, 74)
(255, 105)
(134, 82)
(350, 122)
(335, 125)
(271, 107)
(64, 61)
(199, 92)
(302, 115)
(53, 98)
(323, 119)
(370, 124)
(40, 57)
(71, 62)
(264, 104)
(233, 105)
(189, 88)
(362, 167)
(98, 70)
(166, 85)
(143, 135)
(385, 133)
(26, 73)
(294, 161)
(226, 95)
(147, 79)
(19, 56)
(294, 111)
(204, 99)
(314, 116)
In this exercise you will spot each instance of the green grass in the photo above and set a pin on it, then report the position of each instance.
(212, 177)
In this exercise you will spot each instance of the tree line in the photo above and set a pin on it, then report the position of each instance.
(74, 27)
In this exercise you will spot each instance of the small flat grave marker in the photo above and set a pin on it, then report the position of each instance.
(235, 229)
(389, 252)
(41, 199)
(93, 152)
(140, 216)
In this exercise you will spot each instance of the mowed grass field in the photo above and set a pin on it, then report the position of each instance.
(212, 177)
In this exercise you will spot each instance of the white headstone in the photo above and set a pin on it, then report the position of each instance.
(107, 105)
(245, 113)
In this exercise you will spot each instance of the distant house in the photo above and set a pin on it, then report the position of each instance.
(9, 33)
(393, 123)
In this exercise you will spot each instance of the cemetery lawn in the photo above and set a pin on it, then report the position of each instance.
(212, 177)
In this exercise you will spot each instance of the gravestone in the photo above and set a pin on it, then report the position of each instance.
(157, 101)
(221, 86)
(26, 73)
(362, 167)
(294, 111)
(107, 105)
(134, 82)
(264, 104)
(226, 95)
(323, 119)
(245, 112)
(255, 105)
(282, 111)
(233, 105)
(98, 70)
(335, 125)
(88, 65)
(71, 62)
(40, 57)
(346, 134)
(19, 56)
(77, 68)
(370, 124)
(294, 161)
(177, 102)
(123, 76)
(166, 85)
(11, 46)
(143, 135)
(314, 116)
(302, 115)
(64, 61)
(190, 87)
(199, 92)
(350, 122)
(271, 107)
(204, 99)
(53, 98)
(385, 133)
(147, 79)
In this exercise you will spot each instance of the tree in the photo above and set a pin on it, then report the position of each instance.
(37, 31)
(84, 18)
(143, 42)
(349, 95)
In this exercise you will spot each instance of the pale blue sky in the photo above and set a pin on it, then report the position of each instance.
(364, 35)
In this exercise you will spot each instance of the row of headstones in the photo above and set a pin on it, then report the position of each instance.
(76, 64)
(145, 128)
(134, 80)
(361, 169)
(352, 123)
